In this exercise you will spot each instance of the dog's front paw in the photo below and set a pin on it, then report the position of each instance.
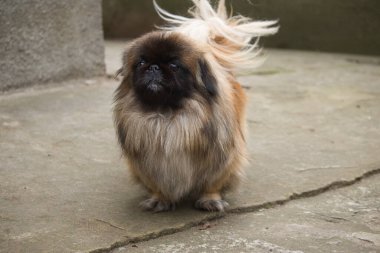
(155, 204)
(212, 205)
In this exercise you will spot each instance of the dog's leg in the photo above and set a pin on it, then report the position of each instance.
(211, 199)
(157, 203)
(212, 202)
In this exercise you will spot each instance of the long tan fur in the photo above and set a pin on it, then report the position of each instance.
(199, 150)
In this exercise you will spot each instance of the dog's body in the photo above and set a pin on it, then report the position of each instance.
(179, 112)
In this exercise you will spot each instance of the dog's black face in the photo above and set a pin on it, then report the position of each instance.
(160, 76)
(163, 71)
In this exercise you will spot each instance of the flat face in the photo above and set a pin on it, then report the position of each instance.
(163, 67)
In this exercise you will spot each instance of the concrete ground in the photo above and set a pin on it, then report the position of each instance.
(343, 220)
(314, 123)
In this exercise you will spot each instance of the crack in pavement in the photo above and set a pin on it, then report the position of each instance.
(110, 224)
(239, 210)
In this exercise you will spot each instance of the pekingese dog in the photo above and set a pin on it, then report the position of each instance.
(179, 110)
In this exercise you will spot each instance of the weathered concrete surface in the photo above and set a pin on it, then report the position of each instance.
(314, 121)
(341, 221)
(44, 41)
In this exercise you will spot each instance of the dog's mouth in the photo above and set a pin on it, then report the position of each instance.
(154, 86)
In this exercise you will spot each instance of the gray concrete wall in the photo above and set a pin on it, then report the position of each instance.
(49, 40)
(345, 26)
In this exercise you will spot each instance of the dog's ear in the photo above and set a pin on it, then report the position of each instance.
(207, 77)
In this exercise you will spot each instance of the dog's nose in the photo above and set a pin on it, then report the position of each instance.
(154, 68)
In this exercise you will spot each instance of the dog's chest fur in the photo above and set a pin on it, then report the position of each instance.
(181, 150)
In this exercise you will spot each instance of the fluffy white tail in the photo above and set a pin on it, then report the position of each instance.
(233, 40)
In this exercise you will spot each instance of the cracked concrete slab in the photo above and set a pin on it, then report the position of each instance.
(314, 121)
(343, 220)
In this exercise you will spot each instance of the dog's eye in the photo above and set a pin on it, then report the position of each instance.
(173, 66)
(141, 63)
